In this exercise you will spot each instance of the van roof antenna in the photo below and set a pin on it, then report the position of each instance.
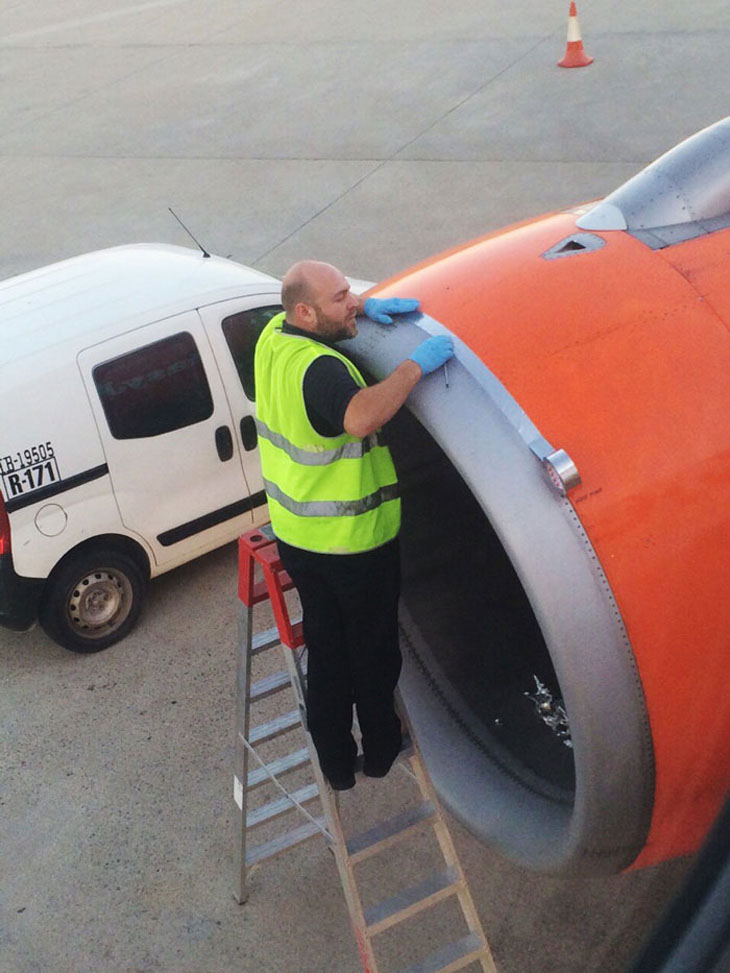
(205, 252)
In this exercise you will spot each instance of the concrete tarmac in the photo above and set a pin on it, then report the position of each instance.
(370, 135)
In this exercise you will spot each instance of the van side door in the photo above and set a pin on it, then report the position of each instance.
(169, 438)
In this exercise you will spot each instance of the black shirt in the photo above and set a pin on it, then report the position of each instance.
(328, 388)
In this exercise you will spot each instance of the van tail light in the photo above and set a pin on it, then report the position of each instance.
(4, 528)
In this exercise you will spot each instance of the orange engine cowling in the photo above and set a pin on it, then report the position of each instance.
(566, 492)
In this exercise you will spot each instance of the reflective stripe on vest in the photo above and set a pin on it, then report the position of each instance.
(318, 457)
(332, 508)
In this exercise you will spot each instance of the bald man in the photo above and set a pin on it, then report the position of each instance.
(334, 506)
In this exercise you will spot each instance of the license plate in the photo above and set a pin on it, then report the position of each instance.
(25, 479)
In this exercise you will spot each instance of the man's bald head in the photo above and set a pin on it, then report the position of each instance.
(316, 297)
(303, 282)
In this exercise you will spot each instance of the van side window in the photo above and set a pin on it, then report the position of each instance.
(242, 331)
(155, 389)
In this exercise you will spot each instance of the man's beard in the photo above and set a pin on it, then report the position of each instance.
(331, 328)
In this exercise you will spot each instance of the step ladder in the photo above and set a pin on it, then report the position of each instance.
(257, 549)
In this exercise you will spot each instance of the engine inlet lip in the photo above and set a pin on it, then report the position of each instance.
(581, 624)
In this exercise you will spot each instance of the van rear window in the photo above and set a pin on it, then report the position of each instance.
(155, 389)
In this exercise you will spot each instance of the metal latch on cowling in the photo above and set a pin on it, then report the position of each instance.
(562, 471)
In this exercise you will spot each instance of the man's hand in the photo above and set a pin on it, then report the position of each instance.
(379, 309)
(433, 352)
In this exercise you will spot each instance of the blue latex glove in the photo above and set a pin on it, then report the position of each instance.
(379, 309)
(433, 352)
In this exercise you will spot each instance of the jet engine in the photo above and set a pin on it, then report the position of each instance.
(566, 521)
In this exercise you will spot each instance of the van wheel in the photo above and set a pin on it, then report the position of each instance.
(93, 600)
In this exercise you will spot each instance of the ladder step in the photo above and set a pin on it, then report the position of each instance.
(265, 640)
(281, 805)
(387, 832)
(292, 761)
(269, 686)
(452, 957)
(269, 639)
(412, 900)
(269, 849)
(275, 728)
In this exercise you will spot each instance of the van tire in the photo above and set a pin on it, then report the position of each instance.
(93, 599)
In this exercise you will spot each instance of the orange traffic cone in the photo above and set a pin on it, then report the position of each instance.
(575, 56)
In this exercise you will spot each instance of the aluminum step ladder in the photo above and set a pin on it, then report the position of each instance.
(257, 549)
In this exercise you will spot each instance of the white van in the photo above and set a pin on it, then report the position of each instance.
(128, 444)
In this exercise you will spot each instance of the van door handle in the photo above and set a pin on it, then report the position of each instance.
(224, 443)
(249, 436)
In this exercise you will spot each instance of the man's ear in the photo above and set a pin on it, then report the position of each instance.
(305, 313)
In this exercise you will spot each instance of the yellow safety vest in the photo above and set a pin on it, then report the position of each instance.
(330, 494)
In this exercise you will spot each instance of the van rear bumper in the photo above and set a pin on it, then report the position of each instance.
(19, 597)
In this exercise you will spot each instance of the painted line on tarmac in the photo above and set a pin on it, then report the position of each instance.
(84, 21)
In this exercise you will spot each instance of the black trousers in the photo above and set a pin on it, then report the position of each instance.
(350, 621)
